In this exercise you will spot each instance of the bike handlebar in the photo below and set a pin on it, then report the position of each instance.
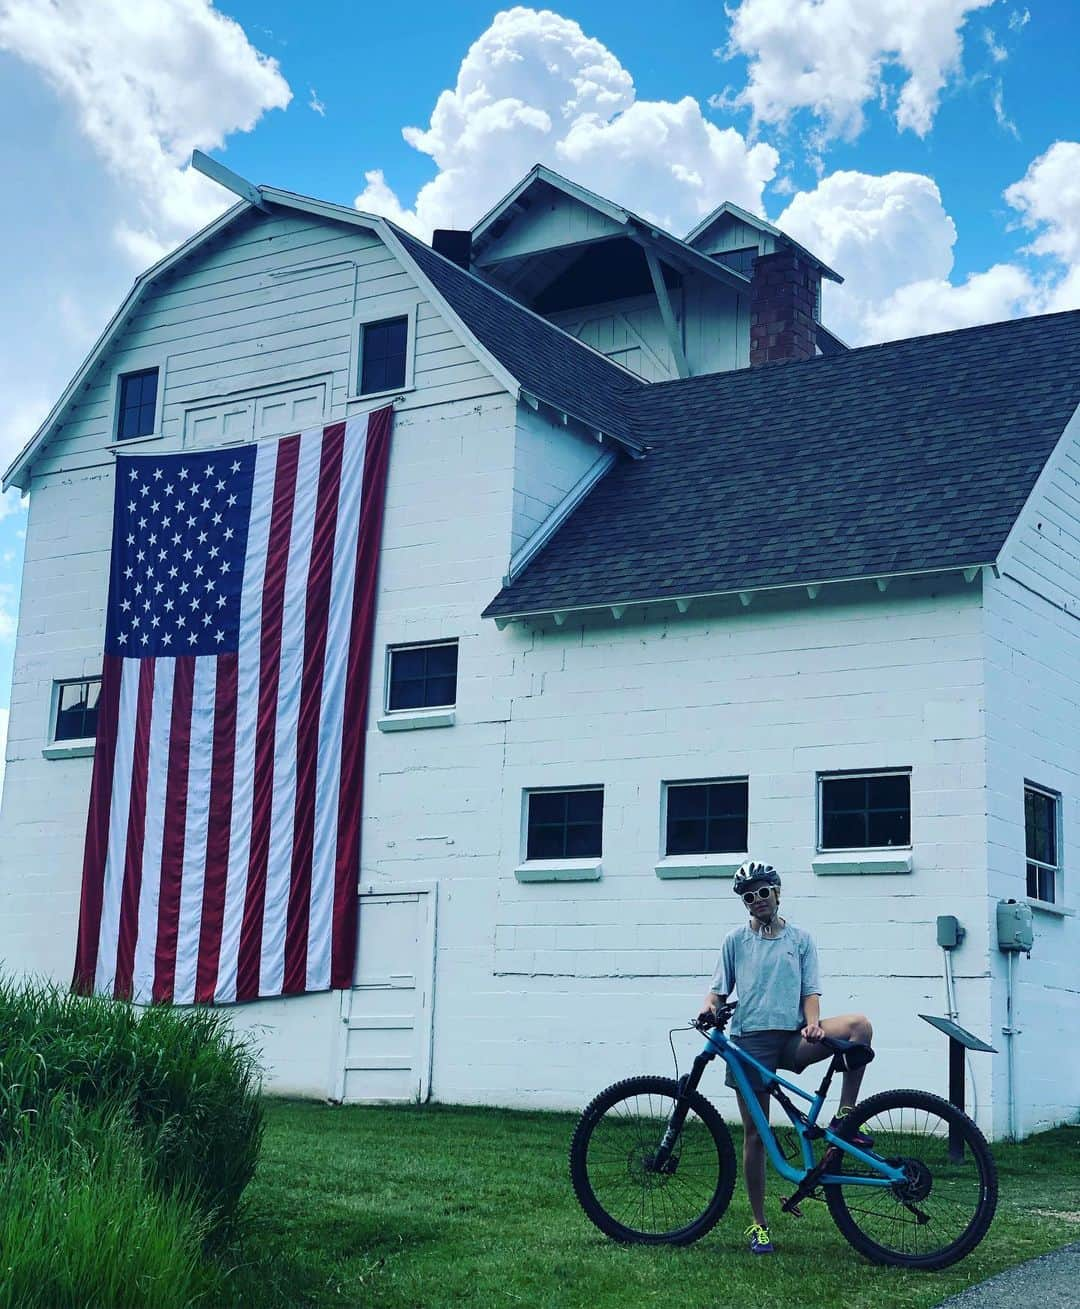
(719, 1018)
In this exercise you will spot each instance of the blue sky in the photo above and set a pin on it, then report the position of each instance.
(929, 149)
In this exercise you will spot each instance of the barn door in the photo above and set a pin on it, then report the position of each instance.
(385, 1036)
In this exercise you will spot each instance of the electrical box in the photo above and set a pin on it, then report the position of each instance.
(949, 931)
(1014, 927)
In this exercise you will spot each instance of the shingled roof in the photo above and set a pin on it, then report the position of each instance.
(913, 456)
(549, 363)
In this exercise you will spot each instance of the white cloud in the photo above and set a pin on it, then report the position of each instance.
(833, 57)
(892, 239)
(149, 82)
(316, 105)
(535, 88)
(1018, 19)
(997, 52)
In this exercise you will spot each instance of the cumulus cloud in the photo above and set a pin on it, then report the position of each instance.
(535, 88)
(149, 82)
(893, 240)
(833, 57)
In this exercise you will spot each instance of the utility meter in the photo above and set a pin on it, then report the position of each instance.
(949, 931)
(1014, 927)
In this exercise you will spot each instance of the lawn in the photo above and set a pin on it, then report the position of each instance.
(419, 1208)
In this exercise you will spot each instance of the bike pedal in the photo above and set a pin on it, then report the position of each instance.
(788, 1206)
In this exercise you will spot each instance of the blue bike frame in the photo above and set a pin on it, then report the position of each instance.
(718, 1045)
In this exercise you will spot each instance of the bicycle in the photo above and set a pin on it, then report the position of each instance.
(652, 1161)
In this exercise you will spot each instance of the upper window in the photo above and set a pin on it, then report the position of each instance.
(864, 811)
(565, 824)
(1041, 813)
(422, 676)
(76, 710)
(383, 354)
(707, 817)
(137, 408)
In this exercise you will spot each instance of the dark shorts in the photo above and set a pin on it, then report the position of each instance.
(774, 1049)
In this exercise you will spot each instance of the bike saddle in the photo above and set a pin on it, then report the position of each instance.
(848, 1054)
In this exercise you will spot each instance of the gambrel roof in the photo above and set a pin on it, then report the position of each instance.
(909, 457)
(524, 351)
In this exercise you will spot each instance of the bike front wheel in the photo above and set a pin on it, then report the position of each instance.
(633, 1191)
(944, 1206)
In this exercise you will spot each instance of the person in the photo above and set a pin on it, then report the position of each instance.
(773, 967)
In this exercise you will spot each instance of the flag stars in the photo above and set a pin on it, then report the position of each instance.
(236, 465)
(144, 489)
(157, 474)
(219, 637)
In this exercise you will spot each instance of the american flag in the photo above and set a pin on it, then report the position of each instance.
(223, 840)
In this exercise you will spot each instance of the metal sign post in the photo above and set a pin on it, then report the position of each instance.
(960, 1039)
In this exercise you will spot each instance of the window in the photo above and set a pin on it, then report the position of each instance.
(1041, 809)
(864, 812)
(137, 408)
(76, 709)
(707, 817)
(383, 351)
(422, 676)
(565, 824)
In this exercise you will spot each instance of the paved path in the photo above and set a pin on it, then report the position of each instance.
(1051, 1282)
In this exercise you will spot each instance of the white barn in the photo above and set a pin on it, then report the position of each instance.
(645, 605)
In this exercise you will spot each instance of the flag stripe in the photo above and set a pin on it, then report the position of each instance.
(290, 677)
(105, 977)
(97, 826)
(218, 828)
(136, 830)
(162, 743)
(247, 717)
(162, 933)
(320, 572)
(331, 722)
(277, 558)
(354, 721)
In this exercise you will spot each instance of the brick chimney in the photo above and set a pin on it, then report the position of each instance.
(783, 290)
(454, 244)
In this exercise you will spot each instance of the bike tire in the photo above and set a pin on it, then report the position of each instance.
(977, 1175)
(604, 1108)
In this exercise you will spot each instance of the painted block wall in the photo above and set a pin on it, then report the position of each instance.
(1033, 735)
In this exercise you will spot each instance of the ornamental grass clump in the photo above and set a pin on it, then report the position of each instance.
(180, 1081)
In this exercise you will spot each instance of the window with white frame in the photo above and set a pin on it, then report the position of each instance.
(136, 404)
(864, 811)
(384, 355)
(564, 824)
(707, 817)
(75, 709)
(1042, 841)
(422, 676)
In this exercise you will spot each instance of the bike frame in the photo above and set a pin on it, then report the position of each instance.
(717, 1045)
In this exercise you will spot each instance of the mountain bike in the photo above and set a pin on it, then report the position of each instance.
(652, 1161)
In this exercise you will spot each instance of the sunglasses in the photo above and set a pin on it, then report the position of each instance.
(762, 893)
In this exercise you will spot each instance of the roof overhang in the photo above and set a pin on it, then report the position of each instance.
(746, 595)
(763, 225)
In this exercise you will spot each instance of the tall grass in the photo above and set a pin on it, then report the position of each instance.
(187, 1089)
(79, 1226)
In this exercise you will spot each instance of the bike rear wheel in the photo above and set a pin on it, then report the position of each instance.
(613, 1164)
(944, 1207)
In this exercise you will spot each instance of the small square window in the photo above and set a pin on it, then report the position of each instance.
(707, 817)
(137, 407)
(865, 812)
(422, 676)
(565, 824)
(383, 352)
(76, 710)
(1041, 820)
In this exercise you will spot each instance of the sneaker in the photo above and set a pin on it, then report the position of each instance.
(861, 1139)
(759, 1239)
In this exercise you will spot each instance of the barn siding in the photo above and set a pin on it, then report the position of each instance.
(548, 462)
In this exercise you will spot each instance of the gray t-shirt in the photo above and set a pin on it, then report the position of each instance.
(771, 975)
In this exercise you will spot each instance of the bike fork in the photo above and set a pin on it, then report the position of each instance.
(687, 1085)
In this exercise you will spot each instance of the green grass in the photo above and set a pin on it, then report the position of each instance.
(442, 1206)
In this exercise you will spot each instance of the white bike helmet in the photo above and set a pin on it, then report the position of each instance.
(753, 873)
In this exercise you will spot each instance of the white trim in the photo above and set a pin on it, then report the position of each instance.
(897, 860)
(699, 865)
(727, 209)
(1022, 521)
(854, 774)
(667, 313)
(157, 361)
(391, 649)
(698, 857)
(1058, 868)
(539, 173)
(79, 749)
(551, 524)
(525, 861)
(558, 870)
(1045, 907)
(404, 304)
(409, 720)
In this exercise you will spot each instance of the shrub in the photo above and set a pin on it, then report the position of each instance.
(80, 1227)
(180, 1080)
